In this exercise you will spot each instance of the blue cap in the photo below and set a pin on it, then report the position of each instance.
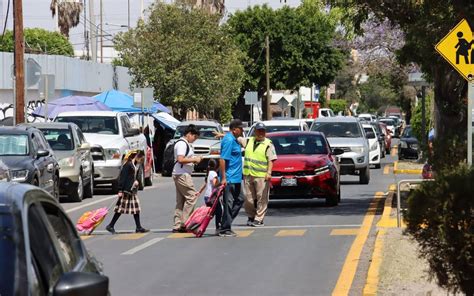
(260, 126)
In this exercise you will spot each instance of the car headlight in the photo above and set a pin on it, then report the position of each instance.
(403, 144)
(373, 146)
(113, 154)
(359, 150)
(19, 176)
(321, 170)
(67, 162)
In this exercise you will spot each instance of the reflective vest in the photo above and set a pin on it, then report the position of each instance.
(255, 161)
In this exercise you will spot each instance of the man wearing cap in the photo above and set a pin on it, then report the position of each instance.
(258, 164)
(230, 164)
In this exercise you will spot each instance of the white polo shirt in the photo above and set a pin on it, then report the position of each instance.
(180, 149)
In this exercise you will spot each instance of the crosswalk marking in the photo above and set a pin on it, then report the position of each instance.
(180, 235)
(143, 246)
(129, 236)
(293, 232)
(244, 233)
(347, 231)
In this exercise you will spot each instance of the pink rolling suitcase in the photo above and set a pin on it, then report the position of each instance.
(199, 220)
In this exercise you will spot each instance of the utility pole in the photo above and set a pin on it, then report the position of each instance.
(101, 34)
(19, 62)
(93, 28)
(267, 111)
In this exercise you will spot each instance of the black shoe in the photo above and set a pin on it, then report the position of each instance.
(179, 230)
(250, 221)
(258, 224)
(227, 233)
(110, 229)
(142, 230)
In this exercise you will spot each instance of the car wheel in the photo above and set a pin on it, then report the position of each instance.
(149, 180)
(89, 188)
(77, 194)
(364, 176)
(332, 200)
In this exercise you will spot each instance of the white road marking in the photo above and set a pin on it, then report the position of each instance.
(143, 246)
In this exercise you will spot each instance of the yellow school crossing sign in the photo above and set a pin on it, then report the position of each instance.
(458, 49)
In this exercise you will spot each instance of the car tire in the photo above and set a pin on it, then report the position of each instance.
(77, 194)
(149, 180)
(332, 200)
(89, 188)
(364, 176)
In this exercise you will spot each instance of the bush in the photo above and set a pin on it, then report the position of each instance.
(338, 105)
(440, 217)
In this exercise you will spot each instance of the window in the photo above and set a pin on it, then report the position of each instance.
(59, 139)
(93, 124)
(299, 144)
(338, 129)
(206, 132)
(42, 249)
(13, 145)
(369, 130)
(126, 126)
(39, 141)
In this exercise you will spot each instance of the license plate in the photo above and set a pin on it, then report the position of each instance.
(288, 182)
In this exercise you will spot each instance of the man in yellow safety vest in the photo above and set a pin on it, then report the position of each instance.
(258, 164)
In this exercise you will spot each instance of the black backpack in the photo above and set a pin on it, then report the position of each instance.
(187, 151)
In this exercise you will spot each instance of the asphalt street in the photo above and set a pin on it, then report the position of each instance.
(302, 249)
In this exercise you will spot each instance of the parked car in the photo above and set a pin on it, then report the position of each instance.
(111, 136)
(282, 125)
(398, 123)
(325, 112)
(391, 126)
(29, 157)
(367, 117)
(306, 167)
(408, 147)
(42, 254)
(374, 146)
(73, 153)
(387, 137)
(380, 137)
(4, 172)
(347, 134)
(207, 145)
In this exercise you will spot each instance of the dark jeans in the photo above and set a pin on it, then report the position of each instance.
(232, 202)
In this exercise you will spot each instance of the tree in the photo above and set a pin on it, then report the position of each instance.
(69, 14)
(301, 45)
(40, 41)
(187, 57)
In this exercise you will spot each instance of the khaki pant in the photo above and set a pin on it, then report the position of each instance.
(185, 199)
(256, 190)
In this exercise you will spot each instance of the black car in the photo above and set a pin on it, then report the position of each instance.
(29, 157)
(42, 253)
(408, 147)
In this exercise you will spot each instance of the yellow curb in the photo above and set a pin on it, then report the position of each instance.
(346, 276)
(374, 268)
(405, 171)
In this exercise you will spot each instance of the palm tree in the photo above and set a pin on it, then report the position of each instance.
(69, 13)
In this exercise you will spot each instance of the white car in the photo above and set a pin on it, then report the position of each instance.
(374, 146)
(282, 125)
(367, 117)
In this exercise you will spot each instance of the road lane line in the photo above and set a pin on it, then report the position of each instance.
(293, 232)
(386, 169)
(244, 233)
(143, 246)
(347, 231)
(181, 235)
(129, 236)
(346, 277)
(372, 282)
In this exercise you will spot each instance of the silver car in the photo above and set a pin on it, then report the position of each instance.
(347, 134)
(76, 172)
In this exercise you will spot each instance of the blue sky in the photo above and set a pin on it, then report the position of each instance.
(36, 13)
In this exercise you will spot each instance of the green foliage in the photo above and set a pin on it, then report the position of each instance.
(338, 105)
(187, 57)
(416, 119)
(40, 41)
(301, 45)
(377, 92)
(440, 217)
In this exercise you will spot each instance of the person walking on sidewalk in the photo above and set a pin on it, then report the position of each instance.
(258, 164)
(128, 202)
(186, 194)
(230, 165)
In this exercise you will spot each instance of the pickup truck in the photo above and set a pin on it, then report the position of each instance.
(111, 136)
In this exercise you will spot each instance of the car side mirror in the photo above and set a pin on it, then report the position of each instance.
(85, 146)
(337, 151)
(370, 135)
(132, 132)
(42, 153)
(81, 283)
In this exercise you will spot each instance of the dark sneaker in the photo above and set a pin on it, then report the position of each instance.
(142, 230)
(227, 233)
(218, 231)
(110, 229)
(250, 221)
(258, 224)
(179, 230)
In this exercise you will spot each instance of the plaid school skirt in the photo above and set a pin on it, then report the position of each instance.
(128, 203)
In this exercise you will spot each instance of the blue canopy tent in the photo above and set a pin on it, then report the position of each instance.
(123, 102)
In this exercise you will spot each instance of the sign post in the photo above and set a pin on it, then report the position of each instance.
(455, 48)
(251, 98)
(46, 91)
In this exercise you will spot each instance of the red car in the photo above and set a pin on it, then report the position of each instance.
(388, 137)
(305, 168)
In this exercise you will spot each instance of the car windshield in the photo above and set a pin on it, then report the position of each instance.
(8, 251)
(205, 132)
(282, 128)
(388, 121)
(13, 145)
(299, 144)
(407, 133)
(59, 139)
(93, 124)
(338, 129)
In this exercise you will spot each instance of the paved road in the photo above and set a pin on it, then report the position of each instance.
(301, 251)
